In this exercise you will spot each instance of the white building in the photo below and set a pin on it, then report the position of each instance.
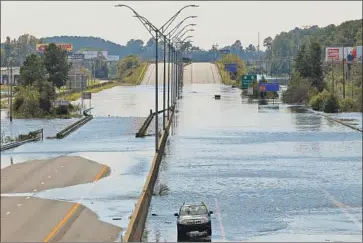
(5, 74)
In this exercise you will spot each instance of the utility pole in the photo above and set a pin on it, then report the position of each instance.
(11, 93)
(343, 74)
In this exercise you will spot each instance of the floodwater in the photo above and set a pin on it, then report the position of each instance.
(109, 139)
(268, 174)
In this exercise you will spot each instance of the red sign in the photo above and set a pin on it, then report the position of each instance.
(262, 88)
(67, 47)
(333, 53)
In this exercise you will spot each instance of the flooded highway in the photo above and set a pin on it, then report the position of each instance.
(267, 174)
(108, 139)
(284, 174)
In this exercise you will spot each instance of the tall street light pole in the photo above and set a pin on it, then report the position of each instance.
(150, 27)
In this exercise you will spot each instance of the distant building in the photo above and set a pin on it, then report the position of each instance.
(5, 74)
(77, 80)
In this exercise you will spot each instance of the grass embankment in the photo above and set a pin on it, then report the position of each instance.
(77, 95)
(224, 75)
(134, 78)
(136, 75)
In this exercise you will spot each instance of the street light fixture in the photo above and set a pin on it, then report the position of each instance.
(181, 22)
(170, 21)
(181, 36)
(160, 32)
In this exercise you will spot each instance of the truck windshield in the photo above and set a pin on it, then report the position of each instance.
(193, 210)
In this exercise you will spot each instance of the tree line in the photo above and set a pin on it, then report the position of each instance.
(281, 50)
(14, 51)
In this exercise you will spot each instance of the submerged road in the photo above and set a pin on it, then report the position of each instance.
(49, 190)
(268, 175)
(21, 217)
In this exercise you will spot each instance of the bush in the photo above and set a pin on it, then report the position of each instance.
(27, 102)
(347, 105)
(325, 102)
(297, 91)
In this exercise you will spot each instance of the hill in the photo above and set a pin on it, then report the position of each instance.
(88, 43)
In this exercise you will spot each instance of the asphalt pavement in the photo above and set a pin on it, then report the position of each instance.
(27, 218)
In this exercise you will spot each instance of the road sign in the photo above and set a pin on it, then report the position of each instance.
(269, 87)
(250, 91)
(230, 67)
(246, 80)
(86, 95)
(224, 51)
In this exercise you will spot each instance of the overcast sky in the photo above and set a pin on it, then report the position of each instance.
(219, 22)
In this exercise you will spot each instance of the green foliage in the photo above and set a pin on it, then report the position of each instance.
(325, 101)
(55, 60)
(298, 90)
(27, 102)
(308, 63)
(286, 44)
(347, 105)
(231, 58)
(32, 70)
(129, 69)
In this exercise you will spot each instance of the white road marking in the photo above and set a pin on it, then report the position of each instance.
(42, 182)
(19, 204)
(27, 198)
(49, 177)
(34, 190)
(219, 216)
(7, 213)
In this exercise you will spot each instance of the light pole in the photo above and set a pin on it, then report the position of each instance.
(151, 28)
(159, 33)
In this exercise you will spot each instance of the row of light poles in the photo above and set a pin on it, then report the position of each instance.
(175, 48)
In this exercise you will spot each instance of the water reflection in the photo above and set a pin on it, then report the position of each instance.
(264, 164)
(307, 121)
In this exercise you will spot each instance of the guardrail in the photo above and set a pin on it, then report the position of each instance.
(66, 131)
(136, 224)
(142, 131)
(18, 143)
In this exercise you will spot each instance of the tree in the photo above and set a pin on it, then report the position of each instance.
(33, 70)
(55, 60)
(316, 65)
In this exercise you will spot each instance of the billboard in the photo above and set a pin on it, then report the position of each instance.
(76, 57)
(68, 47)
(333, 54)
(113, 58)
(224, 51)
(269, 87)
(230, 67)
(88, 55)
(349, 54)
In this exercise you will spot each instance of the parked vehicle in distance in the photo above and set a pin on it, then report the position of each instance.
(193, 218)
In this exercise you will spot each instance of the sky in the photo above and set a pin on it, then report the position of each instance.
(218, 22)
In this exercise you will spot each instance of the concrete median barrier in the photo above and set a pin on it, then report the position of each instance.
(136, 224)
(66, 131)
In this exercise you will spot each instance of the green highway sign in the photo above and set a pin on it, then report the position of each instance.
(246, 80)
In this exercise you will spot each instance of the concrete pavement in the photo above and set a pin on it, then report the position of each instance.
(201, 73)
(32, 219)
(149, 77)
(194, 73)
